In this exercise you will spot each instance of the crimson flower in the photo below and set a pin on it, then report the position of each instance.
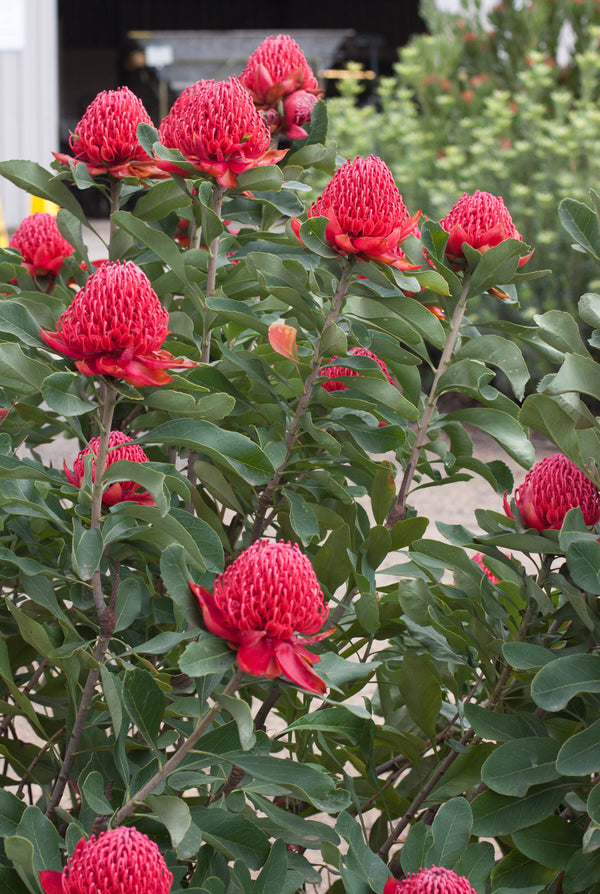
(115, 326)
(119, 491)
(215, 125)
(482, 221)
(366, 213)
(333, 372)
(280, 80)
(105, 140)
(118, 861)
(478, 559)
(42, 247)
(434, 880)
(552, 487)
(266, 596)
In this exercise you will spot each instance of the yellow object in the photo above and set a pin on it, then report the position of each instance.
(3, 230)
(38, 204)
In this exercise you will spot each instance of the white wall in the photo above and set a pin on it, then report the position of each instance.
(28, 92)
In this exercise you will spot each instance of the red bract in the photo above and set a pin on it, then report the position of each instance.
(367, 215)
(552, 487)
(297, 110)
(482, 221)
(215, 125)
(275, 69)
(333, 372)
(41, 245)
(266, 596)
(118, 861)
(105, 140)
(115, 326)
(435, 880)
(119, 491)
(478, 559)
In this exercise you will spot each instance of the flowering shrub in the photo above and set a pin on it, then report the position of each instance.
(233, 657)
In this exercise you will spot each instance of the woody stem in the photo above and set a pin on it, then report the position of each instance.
(181, 752)
(334, 311)
(211, 273)
(421, 438)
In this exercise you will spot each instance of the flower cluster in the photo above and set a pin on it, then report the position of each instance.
(216, 127)
(552, 487)
(266, 596)
(282, 85)
(366, 214)
(118, 861)
(119, 447)
(41, 244)
(434, 880)
(105, 140)
(482, 221)
(115, 326)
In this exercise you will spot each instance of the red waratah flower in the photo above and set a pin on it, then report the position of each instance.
(478, 559)
(266, 596)
(41, 245)
(482, 221)
(552, 487)
(118, 861)
(297, 110)
(105, 140)
(215, 125)
(435, 880)
(276, 69)
(333, 372)
(119, 491)
(115, 326)
(367, 215)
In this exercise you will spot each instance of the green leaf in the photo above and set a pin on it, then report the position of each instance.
(527, 655)
(16, 320)
(492, 725)
(272, 876)
(560, 330)
(37, 181)
(516, 873)
(413, 853)
(260, 179)
(502, 428)
(62, 392)
(210, 655)
(589, 309)
(312, 235)
(577, 374)
(495, 814)
(42, 835)
(93, 792)
(240, 711)
(581, 223)
(498, 351)
(360, 859)
(580, 754)
(130, 598)
(546, 416)
(515, 766)
(420, 688)
(173, 813)
(145, 703)
(555, 684)
(551, 842)
(87, 550)
(497, 266)
(302, 518)
(143, 474)
(338, 720)
(176, 578)
(11, 811)
(18, 372)
(451, 832)
(233, 835)
(230, 449)
(583, 559)
(162, 245)
(31, 631)
(160, 200)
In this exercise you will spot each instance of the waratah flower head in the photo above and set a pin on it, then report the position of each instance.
(215, 125)
(267, 596)
(118, 861)
(275, 69)
(41, 245)
(482, 220)
(434, 880)
(366, 213)
(118, 491)
(552, 487)
(105, 139)
(297, 111)
(331, 373)
(115, 326)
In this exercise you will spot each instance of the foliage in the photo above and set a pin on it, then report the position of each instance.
(460, 723)
(493, 103)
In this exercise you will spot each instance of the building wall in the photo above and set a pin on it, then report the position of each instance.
(28, 94)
